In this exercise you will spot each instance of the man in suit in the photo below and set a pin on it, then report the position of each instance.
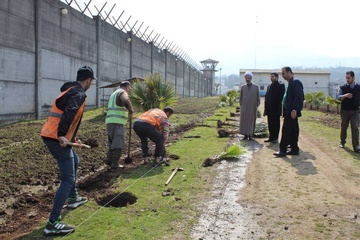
(292, 106)
(273, 106)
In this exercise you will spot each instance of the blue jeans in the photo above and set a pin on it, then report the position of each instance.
(68, 163)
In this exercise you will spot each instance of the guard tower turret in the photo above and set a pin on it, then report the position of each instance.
(209, 70)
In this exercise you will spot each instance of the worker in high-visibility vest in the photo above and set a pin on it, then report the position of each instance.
(118, 111)
(58, 133)
(154, 125)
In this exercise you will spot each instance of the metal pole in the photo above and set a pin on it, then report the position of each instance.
(38, 58)
(220, 81)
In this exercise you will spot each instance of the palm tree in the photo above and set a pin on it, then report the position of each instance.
(333, 102)
(232, 96)
(315, 99)
(152, 93)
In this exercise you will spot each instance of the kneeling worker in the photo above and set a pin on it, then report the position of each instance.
(153, 124)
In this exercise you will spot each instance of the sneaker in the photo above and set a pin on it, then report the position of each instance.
(76, 202)
(146, 160)
(342, 145)
(58, 228)
(165, 161)
(158, 159)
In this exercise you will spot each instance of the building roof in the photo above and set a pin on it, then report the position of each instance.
(209, 60)
(279, 71)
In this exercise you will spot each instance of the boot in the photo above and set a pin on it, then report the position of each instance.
(115, 157)
(108, 158)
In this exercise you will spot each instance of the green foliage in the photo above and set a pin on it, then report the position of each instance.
(232, 96)
(315, 99)
(261, 130)
(223, 98)
(232, 152)
(152, 93)
(332, 101)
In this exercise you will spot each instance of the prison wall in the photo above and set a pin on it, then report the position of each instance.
(41, 49)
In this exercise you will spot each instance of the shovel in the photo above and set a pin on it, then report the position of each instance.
(80, 145)
(128, 158)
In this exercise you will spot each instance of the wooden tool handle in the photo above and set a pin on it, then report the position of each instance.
(171, 176)
(80, 145)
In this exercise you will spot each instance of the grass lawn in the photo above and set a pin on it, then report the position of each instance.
(155, 216)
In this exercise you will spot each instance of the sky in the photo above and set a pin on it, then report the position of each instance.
(252, 34)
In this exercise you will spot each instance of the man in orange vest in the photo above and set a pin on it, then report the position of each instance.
(58, 133)
(154, 125)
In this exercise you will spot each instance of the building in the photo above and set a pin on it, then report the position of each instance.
(313, 81)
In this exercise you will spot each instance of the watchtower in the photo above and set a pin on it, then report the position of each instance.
(209, 70)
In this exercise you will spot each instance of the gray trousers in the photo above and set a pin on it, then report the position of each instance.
(116, 135)
(352, 117)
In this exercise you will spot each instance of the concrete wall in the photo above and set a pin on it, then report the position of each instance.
(40, 49)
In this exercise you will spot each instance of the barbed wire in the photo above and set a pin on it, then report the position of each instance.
(129, 26)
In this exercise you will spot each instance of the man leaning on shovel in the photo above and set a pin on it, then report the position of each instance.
(118, 111)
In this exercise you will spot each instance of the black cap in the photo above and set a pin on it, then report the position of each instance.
(168, 109)
(84, 73)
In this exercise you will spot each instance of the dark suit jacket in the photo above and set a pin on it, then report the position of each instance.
(273, 99)
(294, 97)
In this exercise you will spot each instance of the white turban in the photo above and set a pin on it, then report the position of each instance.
(248, 74)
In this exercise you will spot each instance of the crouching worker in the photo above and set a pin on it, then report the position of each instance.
(154, 125)
(118, 111)
(58, 133)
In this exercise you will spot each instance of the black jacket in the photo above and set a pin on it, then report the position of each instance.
(351, 103)
(70, 104)
(294, 99)
(273, 99)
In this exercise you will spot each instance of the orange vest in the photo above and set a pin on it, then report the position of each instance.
(153, 116)
(51, 125)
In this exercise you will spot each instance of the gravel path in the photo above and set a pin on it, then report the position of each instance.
(223, 217)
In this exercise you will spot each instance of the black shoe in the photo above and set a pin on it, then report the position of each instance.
(342, 145)
(107, 162)
(250, 138)
(268, 140)
(245, 138)
(292, 153)
(357, 149)
(115, 165)
(280, 154)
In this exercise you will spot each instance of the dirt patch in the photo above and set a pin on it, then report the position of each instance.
(27, 169)
(311, 196)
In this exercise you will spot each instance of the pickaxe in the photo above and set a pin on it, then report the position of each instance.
(174, 171)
